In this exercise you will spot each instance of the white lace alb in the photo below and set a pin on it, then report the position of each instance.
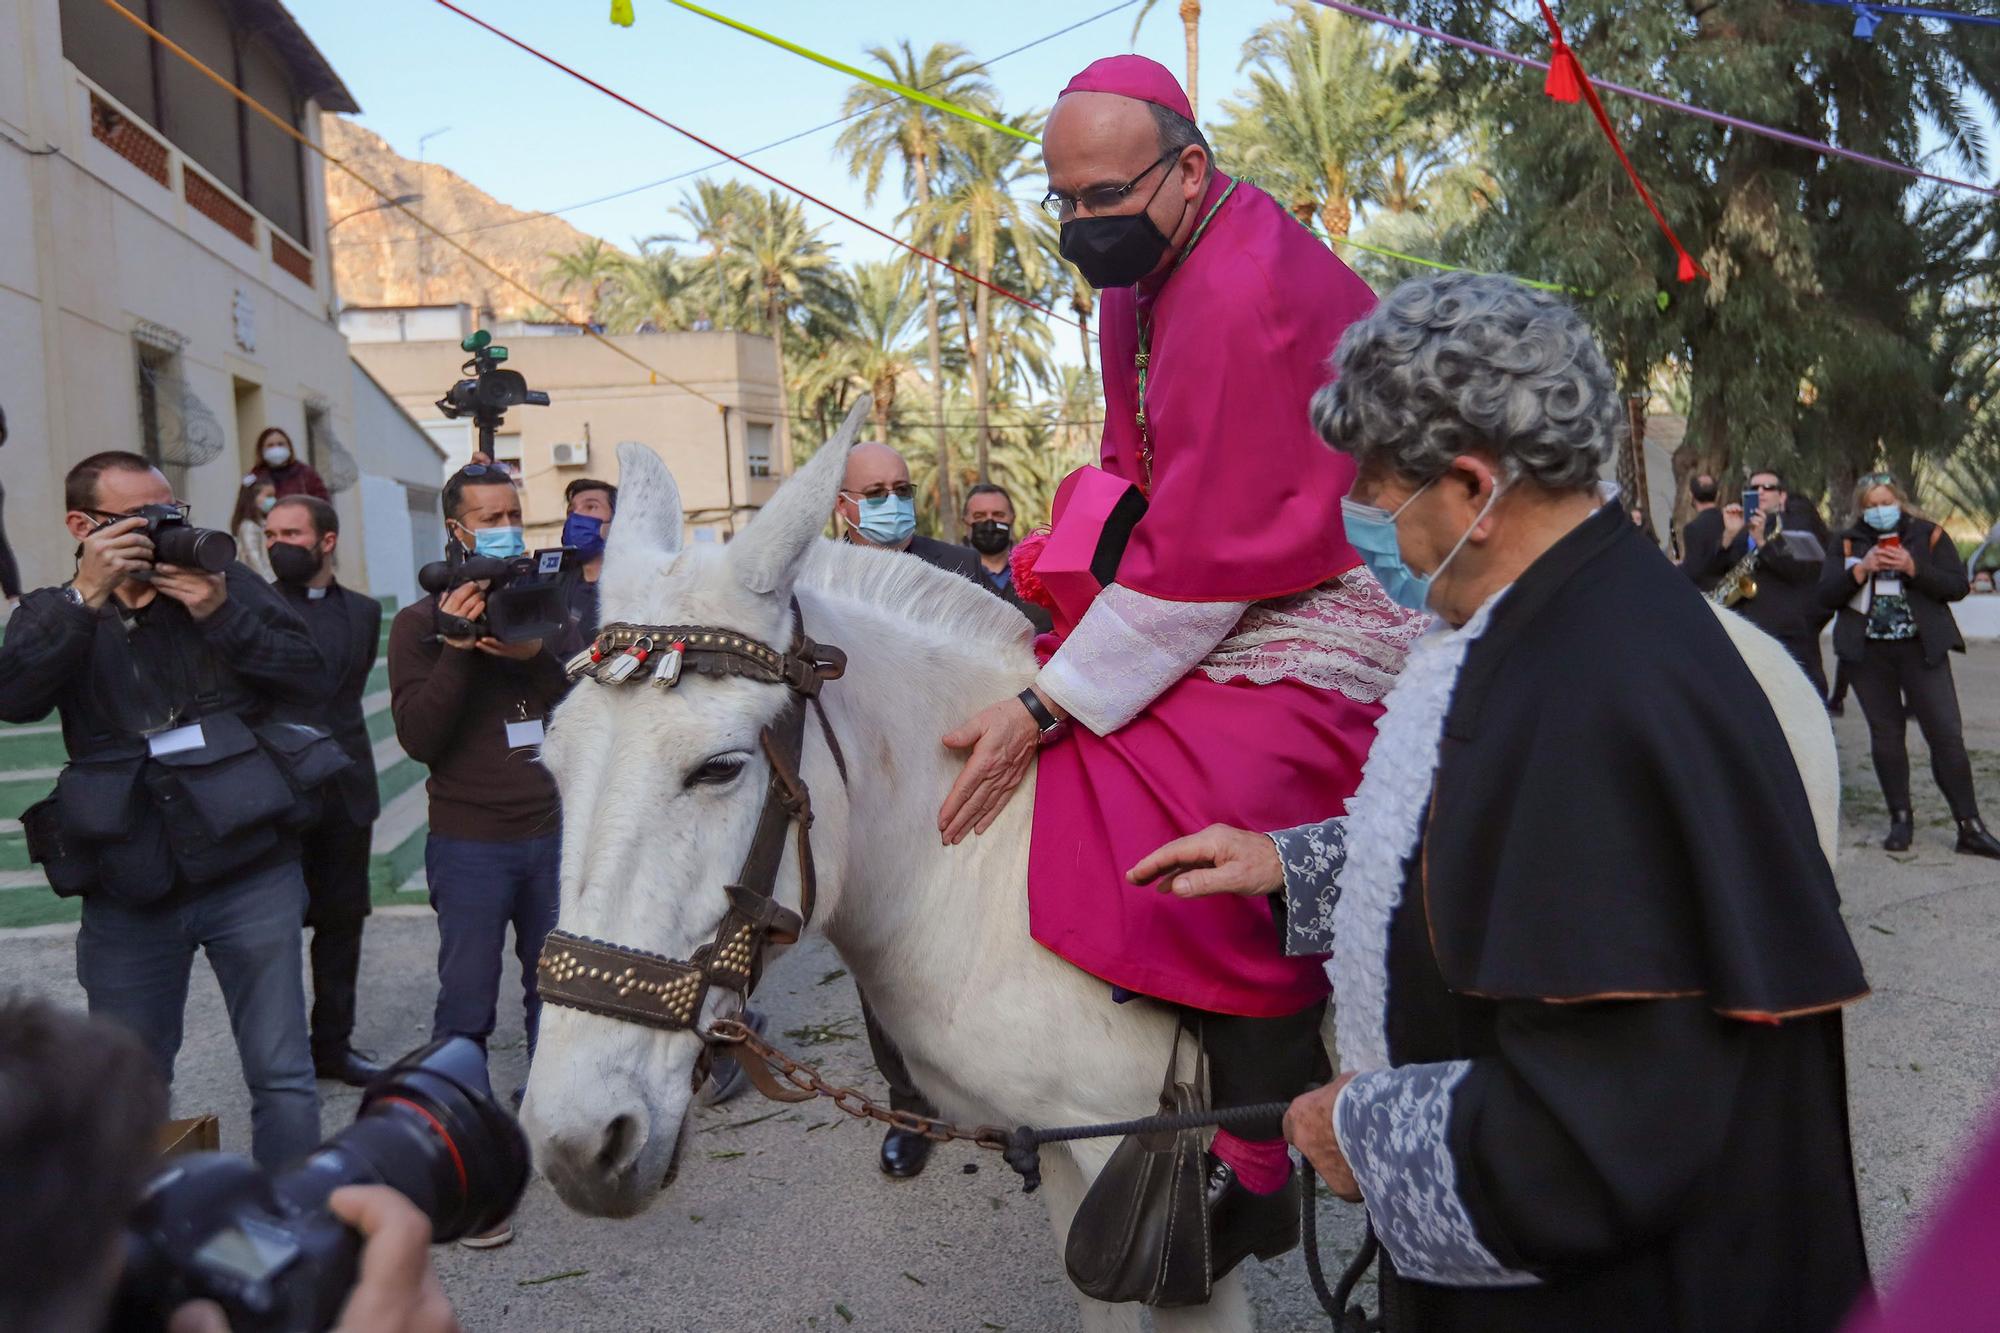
(1127, 650)
(1344, 635)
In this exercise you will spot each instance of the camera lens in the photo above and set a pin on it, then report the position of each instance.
(193, 548)
(429, 1129)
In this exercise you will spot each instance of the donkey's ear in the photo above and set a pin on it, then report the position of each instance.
(647, 528)
(766, 556)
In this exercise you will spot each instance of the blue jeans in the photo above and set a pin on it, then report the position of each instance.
(134, 964)
(478, 889)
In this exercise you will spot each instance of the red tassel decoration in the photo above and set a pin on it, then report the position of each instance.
(1564, 83)
(1689, 270)
(1026, 552)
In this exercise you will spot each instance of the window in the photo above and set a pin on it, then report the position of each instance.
(233, 144)
(757, 447)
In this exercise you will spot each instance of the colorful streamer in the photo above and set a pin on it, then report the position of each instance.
(1868, 15)
(886, 85)
(1567, 82)
(1668, 103)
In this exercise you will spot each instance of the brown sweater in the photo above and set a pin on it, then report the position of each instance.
(452, 707)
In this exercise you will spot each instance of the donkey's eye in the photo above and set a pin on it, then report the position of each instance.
(719, 771)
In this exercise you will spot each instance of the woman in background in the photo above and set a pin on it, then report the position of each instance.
(279, 463)
(1892, 576)
(254, 499)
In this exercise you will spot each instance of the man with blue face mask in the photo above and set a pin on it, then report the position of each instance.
(472, 710)
(586, 527)
(878, 507)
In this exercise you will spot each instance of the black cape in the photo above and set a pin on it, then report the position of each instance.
(1621, 915)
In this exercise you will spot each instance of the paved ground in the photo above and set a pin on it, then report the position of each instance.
(780, 1220)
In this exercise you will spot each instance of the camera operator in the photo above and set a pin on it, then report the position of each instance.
(80, 1103)
(472, 709)
(170, 818)
(303, 537)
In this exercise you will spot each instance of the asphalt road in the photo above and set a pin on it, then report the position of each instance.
(780, 1219)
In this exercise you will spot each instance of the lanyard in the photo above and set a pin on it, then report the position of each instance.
(1142, 355)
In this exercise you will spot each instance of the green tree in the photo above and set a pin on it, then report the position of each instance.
(714, 211)
(982, 215)
(780, 259)
(648, 293)
(590, 268)
(891, 129)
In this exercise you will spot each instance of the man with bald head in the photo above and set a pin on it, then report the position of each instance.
(878, 507)
(1224, 650)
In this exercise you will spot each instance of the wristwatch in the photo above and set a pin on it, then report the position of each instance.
(75, 597)
(1045, 721)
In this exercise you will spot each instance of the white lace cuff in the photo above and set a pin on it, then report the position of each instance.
(1127, 650)
(1391, 1126)
(1312, 855)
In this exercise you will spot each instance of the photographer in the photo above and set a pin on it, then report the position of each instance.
(303, 535)
(171, 817)
(472, 709)
(79, 1107)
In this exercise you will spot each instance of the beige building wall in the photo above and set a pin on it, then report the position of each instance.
(99, 255)
(599, 399)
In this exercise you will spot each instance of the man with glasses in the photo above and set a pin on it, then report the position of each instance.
(1786, 571)
(159, 673)
(1235, 660)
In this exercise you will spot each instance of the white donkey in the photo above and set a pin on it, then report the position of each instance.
(661, 792)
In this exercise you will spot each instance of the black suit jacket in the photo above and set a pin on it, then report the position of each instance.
(1700, 540)
(1940, 580)
(964, 561)
(1787, 602)
(348, 634)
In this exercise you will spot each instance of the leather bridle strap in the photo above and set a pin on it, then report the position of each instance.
(636, 985)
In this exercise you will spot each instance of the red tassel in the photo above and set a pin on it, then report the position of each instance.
(1565, 81)
(1026, 552)
(1689, 270)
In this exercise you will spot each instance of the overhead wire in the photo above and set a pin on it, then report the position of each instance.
(780, 182)
(253, 104)
(794, 137)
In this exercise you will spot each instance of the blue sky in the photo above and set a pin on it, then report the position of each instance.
(536, 139)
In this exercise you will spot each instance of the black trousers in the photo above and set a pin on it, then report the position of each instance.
(334, 855)
(903, 1093)
(1255, 1060)
(1804, 649)
(1893, 684)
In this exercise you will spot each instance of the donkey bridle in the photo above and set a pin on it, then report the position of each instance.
(651, 989)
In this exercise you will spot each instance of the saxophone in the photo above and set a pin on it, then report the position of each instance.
(1740, 583)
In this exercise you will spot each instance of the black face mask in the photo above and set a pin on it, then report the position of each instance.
(1118, 250)
(991, 537)
(293, 564)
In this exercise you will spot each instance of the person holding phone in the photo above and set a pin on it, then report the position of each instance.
(1892, 578)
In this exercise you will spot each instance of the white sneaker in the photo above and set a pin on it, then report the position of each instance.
(488, 1240)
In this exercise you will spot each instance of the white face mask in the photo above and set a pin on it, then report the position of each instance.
(276, 455)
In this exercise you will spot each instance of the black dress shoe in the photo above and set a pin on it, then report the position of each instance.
(1241, 1224)
(1902, 829)
(1974, 840)
(348, 1066)
(904, 1154)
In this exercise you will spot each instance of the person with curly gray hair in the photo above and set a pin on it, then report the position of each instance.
(1587, 956)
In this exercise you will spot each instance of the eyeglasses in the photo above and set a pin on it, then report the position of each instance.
(1100, 198)
(1765, 486)
(902, 490)
(485, 470)
(1879, 479)
(106, 517)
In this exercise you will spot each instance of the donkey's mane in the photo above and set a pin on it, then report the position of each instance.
(915, 590)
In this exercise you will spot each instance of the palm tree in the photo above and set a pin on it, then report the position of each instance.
(713, 212)
(590, 267)
(980, 216)
(886, 126)
(1190, 34)
(885, 303)
(1323, 113)
(649, 293)
(778, 256)
(1082, 300)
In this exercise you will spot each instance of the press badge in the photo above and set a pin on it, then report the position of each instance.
(523, 735)
(178, 740)
(1888, 587)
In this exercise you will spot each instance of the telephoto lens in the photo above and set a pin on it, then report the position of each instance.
(176, 543)
(267, 1250)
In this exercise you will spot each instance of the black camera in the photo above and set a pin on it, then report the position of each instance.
(178, 542)
(524, 593)
(215, 1227)
(487, 392)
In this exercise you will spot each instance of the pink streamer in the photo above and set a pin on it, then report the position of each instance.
(1733, 122)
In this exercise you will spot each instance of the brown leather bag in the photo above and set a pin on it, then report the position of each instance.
(1141, 1233)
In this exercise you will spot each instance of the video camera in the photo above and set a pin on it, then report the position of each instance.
(524, 597)
(524, 594)
(266, 1249)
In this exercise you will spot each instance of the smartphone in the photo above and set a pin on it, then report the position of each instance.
(1890, 541)
(1749, 504)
